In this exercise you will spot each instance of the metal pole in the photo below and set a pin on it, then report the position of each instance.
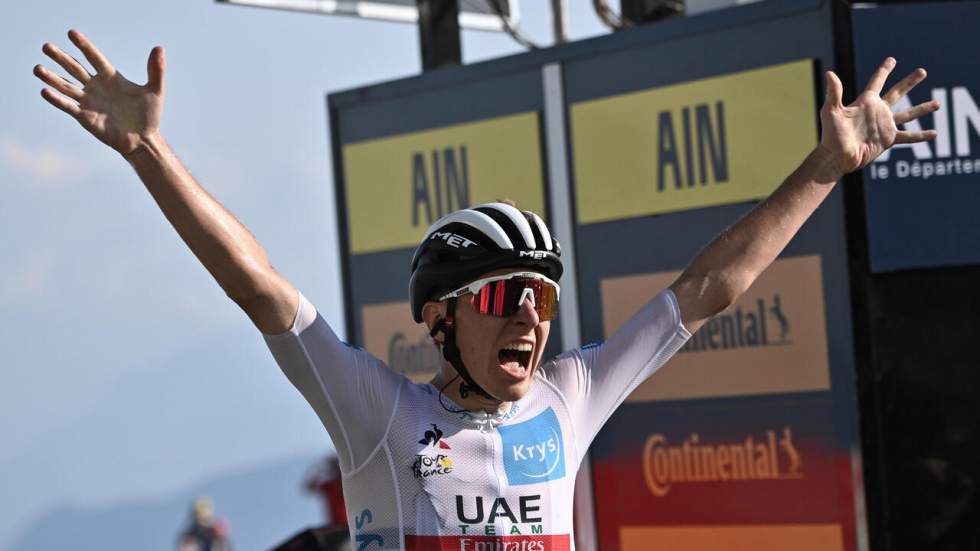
(559, 12)
(562, 218)
(439, 33)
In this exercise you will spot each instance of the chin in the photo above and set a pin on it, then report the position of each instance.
(510, 394)
(514, 392)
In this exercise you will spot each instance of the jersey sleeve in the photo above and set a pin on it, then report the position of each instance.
(595, 379)
(353, 393)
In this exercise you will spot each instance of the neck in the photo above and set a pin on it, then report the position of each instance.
(448, 381)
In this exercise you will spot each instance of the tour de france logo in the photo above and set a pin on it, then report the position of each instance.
(433, 459)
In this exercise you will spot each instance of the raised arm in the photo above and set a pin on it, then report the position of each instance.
(852, 137)
(126, 117)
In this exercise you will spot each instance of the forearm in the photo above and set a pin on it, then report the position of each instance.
(731, 262)
(223, 245)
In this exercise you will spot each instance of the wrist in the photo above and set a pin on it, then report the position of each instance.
(150, 146)
(825, 165)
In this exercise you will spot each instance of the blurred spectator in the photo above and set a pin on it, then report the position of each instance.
(205, 532)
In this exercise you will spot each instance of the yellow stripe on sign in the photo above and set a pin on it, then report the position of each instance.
(761, 537)
(708, 142)
(398, 186)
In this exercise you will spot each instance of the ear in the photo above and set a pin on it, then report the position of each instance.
(432, 312)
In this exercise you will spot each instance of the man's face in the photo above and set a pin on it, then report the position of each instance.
(501, 354)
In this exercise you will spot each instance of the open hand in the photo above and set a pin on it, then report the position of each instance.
(118, 112)
(857, 133)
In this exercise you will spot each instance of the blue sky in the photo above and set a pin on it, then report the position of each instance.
(126, 372)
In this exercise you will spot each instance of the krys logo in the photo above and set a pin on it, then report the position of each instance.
(764, 324)
(533, 450)
(957, 124)
(772, 457)
(431, 461)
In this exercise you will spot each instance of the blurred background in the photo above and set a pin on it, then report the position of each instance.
(130, 385)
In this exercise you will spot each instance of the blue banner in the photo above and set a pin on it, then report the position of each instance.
(923, 200)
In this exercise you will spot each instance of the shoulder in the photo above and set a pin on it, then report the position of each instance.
(566, 372)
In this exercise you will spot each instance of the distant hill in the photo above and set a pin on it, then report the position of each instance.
(264, 506)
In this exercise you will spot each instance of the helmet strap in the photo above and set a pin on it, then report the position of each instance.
(451, 352)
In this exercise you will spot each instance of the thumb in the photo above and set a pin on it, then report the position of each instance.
(835, 91)
(156, 64)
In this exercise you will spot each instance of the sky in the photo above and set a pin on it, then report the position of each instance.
(127, 374)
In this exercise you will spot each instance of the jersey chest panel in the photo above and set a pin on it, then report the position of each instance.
(470, 475)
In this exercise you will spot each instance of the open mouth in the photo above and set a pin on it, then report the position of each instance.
(516, 357)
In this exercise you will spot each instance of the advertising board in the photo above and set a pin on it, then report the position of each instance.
(392, 336)
(733, 473)
(714, 141)
(773, 339)
(922, 199)
(717, 448)
(397, 186)
(747, 437)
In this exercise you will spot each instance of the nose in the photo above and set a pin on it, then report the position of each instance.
(527, 315)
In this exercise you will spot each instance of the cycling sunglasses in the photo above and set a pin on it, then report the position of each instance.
(503, 295)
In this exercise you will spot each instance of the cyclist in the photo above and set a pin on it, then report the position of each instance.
(484, 456)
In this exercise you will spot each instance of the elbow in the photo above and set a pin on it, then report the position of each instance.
(247, 283)
(244, 295)
(721, 298)
(730, 288)
(270, 302)
(714, 292)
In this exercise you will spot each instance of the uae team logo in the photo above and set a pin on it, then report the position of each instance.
(432, 460)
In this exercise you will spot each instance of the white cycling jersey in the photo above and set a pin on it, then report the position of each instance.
(419, 477)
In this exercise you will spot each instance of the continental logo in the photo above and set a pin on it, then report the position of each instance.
(391, 335)
(759, 325)
(708, 142)
(772, 340)
(397, 186)
(769, 456)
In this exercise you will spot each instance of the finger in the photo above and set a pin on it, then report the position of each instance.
(896, 92)
(61, 102)
(913, 137)
(835, 91)
(913, 113)
(59, 83)
(92, 54)
(69, 63)
(879, 77)
(155, 67)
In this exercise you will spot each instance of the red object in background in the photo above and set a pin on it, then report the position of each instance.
(222, 528)
(324, 480)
